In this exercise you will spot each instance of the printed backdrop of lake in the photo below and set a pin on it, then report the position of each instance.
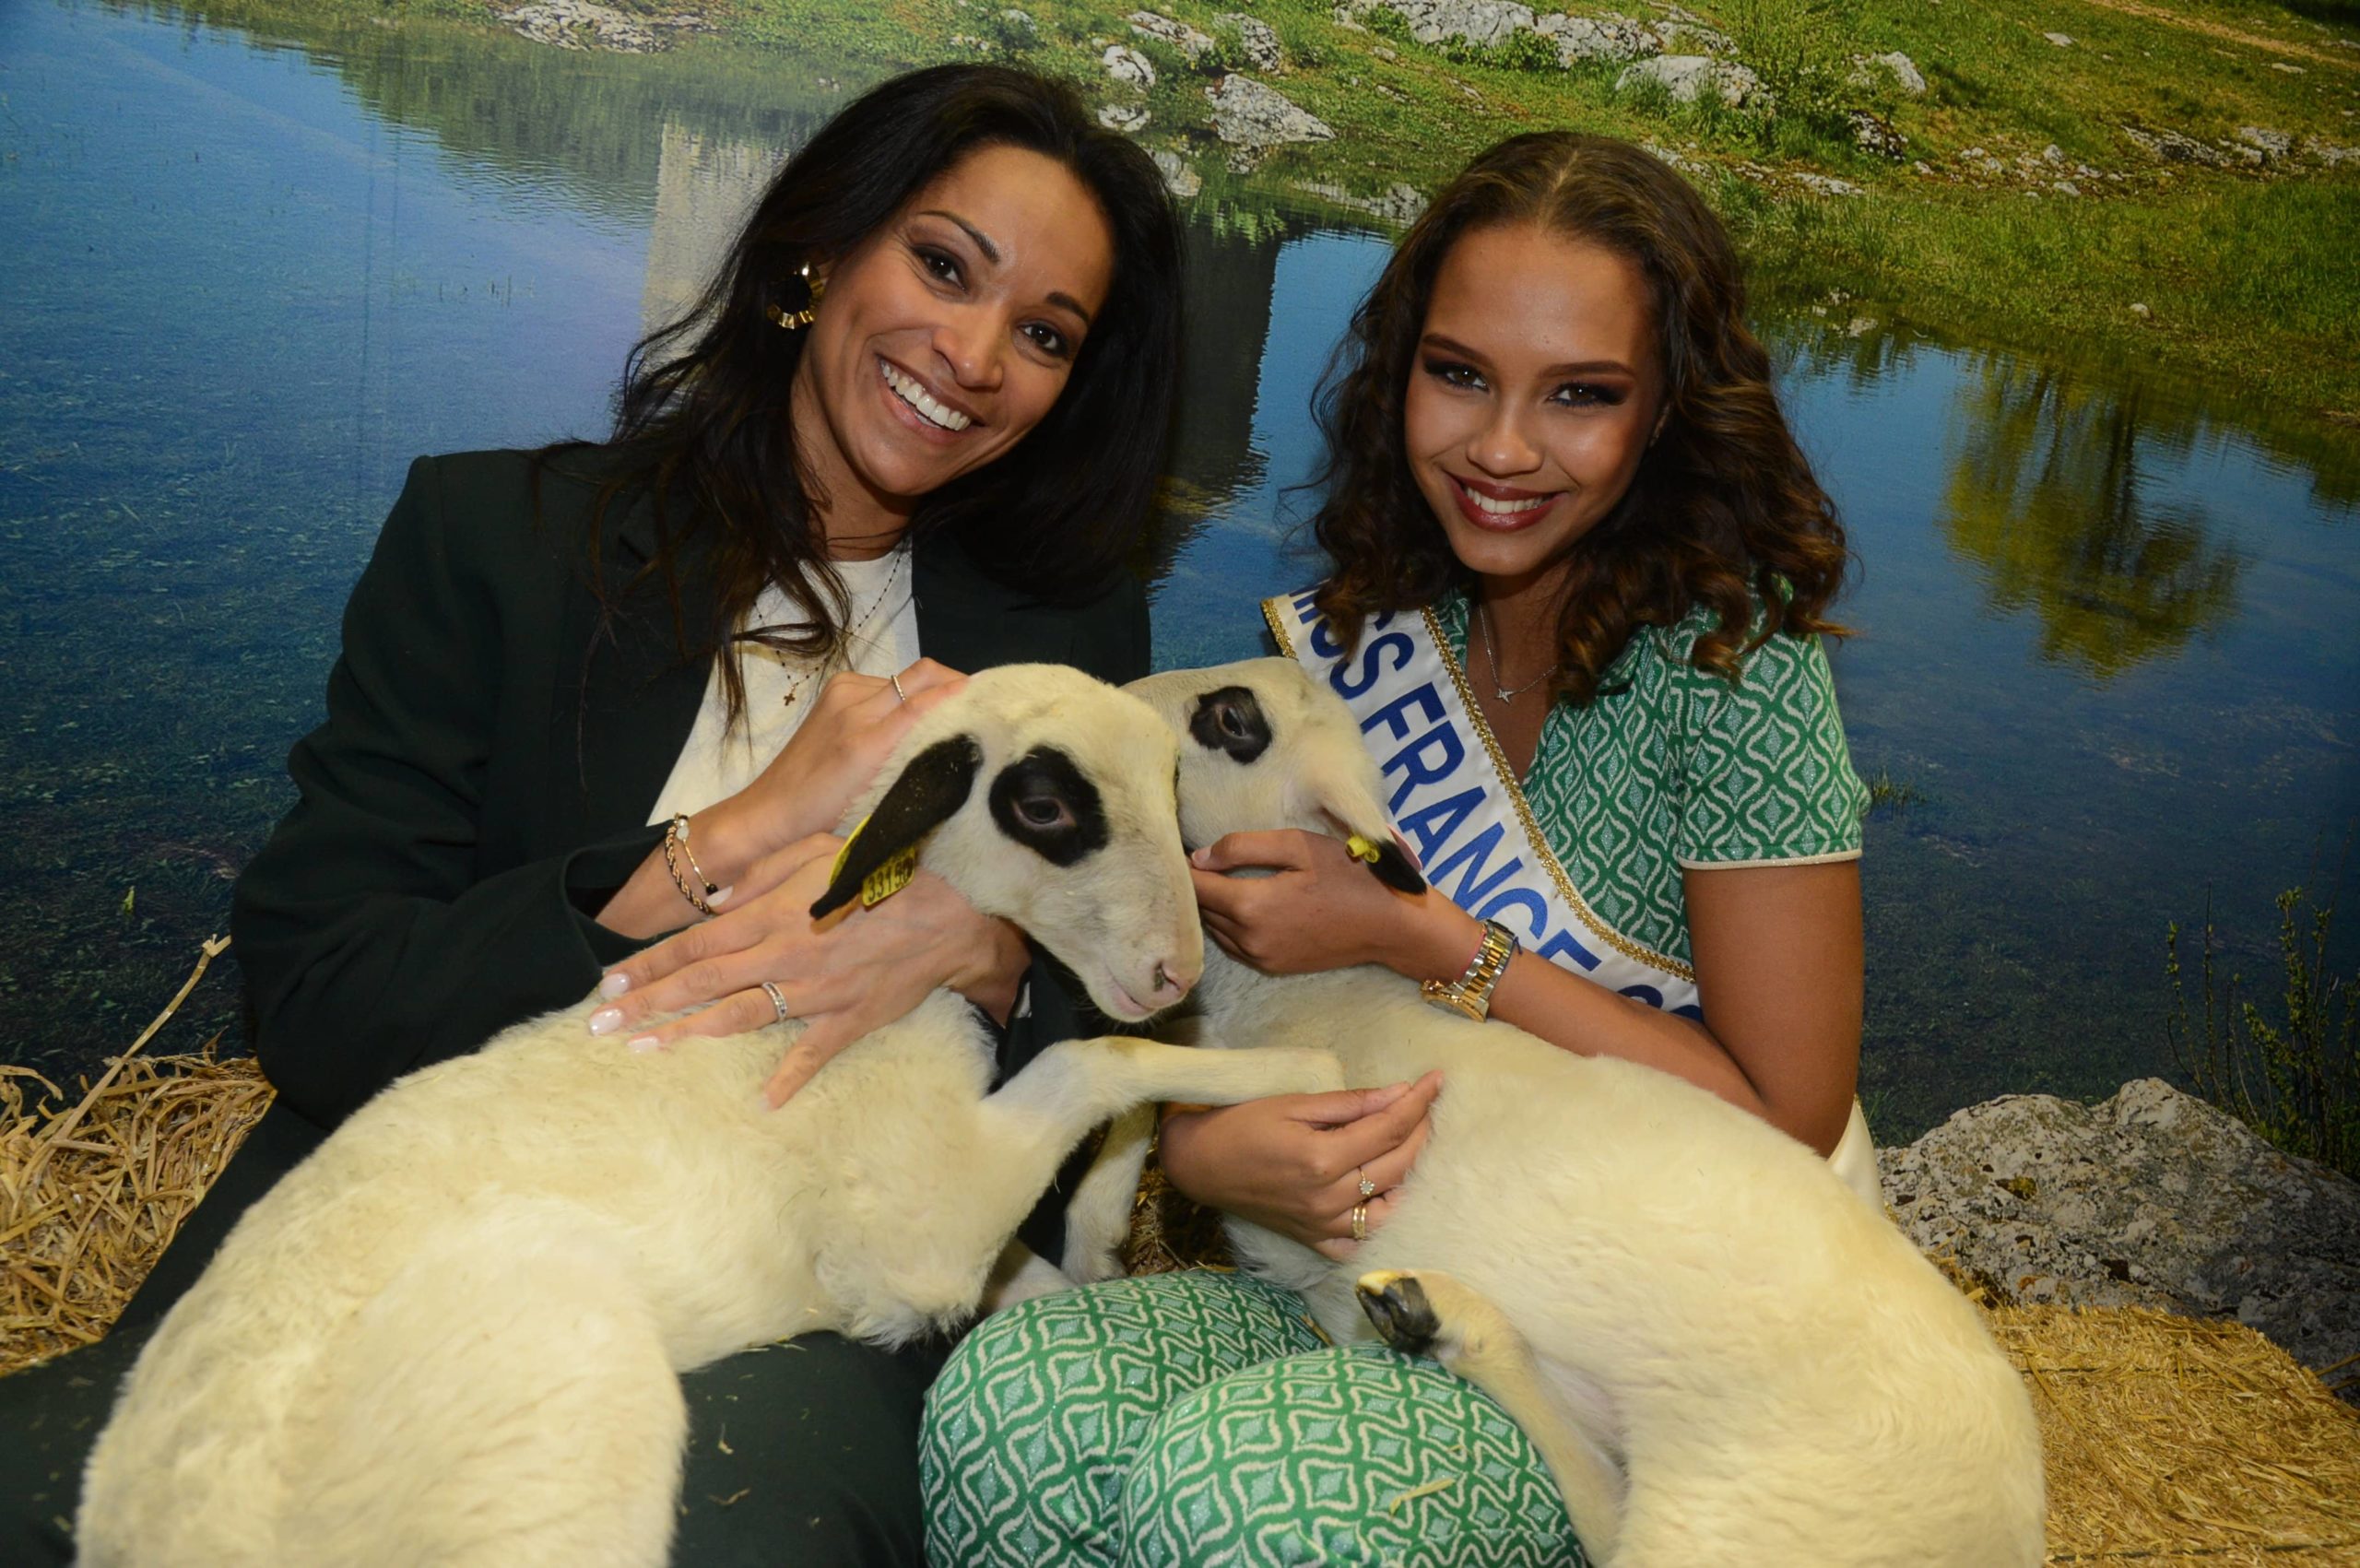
(259, 255)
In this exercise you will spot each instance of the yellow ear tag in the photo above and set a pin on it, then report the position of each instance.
(885, 881)
(1360, 849)
(889, 878)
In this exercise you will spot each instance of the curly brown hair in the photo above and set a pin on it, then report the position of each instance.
(1724, 510)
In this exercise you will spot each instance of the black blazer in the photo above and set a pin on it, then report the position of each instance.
(483, 779)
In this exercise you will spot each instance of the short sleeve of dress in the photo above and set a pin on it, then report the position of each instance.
(1768, 778)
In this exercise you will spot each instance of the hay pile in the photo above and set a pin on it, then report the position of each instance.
(2169, 1440)
(2184, 1440)
(90, 1191)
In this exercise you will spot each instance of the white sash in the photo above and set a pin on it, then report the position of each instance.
(1457, 802)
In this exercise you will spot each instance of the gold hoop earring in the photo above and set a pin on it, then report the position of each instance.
(796, 300)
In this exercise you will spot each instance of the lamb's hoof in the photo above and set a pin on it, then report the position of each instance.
(1397, 1304)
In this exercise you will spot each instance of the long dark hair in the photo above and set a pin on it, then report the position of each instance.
(702, 420)
(1724, 510)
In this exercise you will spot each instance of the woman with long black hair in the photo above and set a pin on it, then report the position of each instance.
(594, 694)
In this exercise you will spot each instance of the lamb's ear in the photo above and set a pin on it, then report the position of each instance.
(1393, 867)
(1345, 795)
(932, 784)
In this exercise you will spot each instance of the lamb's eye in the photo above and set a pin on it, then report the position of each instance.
(1043, 811)
(1231, 721)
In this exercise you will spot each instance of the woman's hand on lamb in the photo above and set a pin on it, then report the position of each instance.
(844, 976)
(854, 723)
(1320, 908)
(1294, 1163)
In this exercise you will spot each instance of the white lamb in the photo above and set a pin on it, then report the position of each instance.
(1722, 1352)
(452, 1335)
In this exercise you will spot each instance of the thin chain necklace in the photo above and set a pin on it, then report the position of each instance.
(1491, 656)
(900, 553)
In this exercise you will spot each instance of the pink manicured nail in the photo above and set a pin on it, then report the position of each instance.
(717, 899)
(1201, 856)
(605, 1020)
(642, 1043)
(614, 986)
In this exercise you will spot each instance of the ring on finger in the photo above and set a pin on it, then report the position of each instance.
(778, 1000)
(898, 695)
(1368, 1188)
(1360, 1221)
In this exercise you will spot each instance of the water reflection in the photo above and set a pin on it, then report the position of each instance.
(2048, 496)
(2107, 631)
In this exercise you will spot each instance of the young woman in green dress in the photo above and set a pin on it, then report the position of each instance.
(1580, 570)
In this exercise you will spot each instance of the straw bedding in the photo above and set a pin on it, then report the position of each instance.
(2169, 1440)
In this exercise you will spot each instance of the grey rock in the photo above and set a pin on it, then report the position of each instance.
(2063, 41)
(1022, 20)
(2152, 1199)
(1687, 76)
(1610, 37)
(2173, 147)
(1870, 70)
(2275, 146)
(1828, 185)
(1180, 35)
(1178, 178)
(1129, 118)
(1256, 38)
(2329, 153)
(1249, 115)
(581, 24)
(1401, 204)
(1127, 65)
(1481, 22)
(1875, 134)
(1686, 32)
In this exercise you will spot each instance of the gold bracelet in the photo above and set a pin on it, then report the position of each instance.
(675, 843)
(1471, 994)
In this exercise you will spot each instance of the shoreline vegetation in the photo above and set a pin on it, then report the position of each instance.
(2168, 188)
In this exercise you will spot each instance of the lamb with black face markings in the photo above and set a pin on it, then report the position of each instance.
(511, 1255)
(1723, 1353)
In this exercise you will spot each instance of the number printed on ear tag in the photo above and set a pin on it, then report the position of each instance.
(889, 878)
(886, 880)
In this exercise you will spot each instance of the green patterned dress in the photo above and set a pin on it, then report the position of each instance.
(1201, 1418)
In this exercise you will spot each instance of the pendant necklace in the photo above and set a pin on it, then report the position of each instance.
(900, 558)
(1491, 656)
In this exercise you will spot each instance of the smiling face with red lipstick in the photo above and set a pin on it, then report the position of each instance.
(947, 337)
(1534, 390)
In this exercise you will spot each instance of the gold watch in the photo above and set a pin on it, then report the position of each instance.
(1470, 994)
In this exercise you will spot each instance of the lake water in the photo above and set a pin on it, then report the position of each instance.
(259, 258)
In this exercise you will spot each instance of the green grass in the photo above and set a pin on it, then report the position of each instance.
(2294, 1079)
(2243, 272)
(2247, 285)
(1889, 794)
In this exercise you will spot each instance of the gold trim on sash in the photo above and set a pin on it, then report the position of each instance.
(1278, 626)
(1579, 906)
